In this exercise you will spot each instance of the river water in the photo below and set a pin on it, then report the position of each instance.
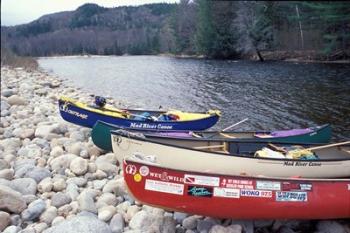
(273, 95)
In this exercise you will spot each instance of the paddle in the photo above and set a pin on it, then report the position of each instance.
(235, 124)
(328, 146)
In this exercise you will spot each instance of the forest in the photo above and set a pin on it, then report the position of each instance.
(212, 29)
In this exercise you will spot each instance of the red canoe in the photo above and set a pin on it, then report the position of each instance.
(239, 197)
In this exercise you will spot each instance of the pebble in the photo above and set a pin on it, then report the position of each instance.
(34, 210)
(106, 213)
(79, 166)
(117, 223)
(49, 215)
(7, 173)
(86, 202)
(16, 100)
(59, 199)
(190, 222)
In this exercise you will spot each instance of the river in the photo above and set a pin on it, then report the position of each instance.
(273, 95)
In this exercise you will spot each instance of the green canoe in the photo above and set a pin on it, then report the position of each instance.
(101, 136)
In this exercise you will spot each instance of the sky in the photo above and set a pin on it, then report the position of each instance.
(14, 12)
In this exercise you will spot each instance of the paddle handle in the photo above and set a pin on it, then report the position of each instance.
(329, 145)
(233, 125)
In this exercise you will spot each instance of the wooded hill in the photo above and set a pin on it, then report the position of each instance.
(215, 29)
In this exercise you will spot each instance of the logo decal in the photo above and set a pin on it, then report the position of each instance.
(200, 191)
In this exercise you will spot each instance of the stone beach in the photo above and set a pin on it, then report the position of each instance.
(53, 179)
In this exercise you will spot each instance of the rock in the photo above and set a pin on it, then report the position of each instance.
(92, 168)
(24, 185)
(60, 199)
(57, 220)
(263, 223)
(49, 215)
(11, 200)
(330, 227)
(106, 213)
(47, 131)
(4, 164)
(77, 136)
(45, 185)
(179, 217)
(100, 174)
(130, 213)
(16, 219)
(56, 151)
(108, 168)
(140, 220)
(190, 222)
(16, 100)
(30, 151)
(6, 174)
(222, 229)
(40, 227)
(38, 173)
(4, 220)
(79, 166)
(98, 184)
(7, 92)
(115, 186)
(168, 225)
(75, 148)
(26, 133)
(106, 199)
(59, 185)
(80, 224)
(72, 191)
(64, 210)
(12, 229)
(205, 225)
(79, 181)
(4, 107)
(29, 198)
(86, 202)
(34, 210)
(117, 223)
(62, 162)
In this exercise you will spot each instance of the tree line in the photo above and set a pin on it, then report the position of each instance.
(215, 29)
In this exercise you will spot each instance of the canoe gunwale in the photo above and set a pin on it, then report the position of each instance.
(135, 137)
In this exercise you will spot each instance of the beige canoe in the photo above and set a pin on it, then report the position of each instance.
(334, 160)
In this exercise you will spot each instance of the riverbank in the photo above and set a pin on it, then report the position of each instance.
(53, 179)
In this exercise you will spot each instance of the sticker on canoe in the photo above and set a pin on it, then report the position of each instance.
(256, 193)
(226, 192)
(164, 187)
(65, 108)
(200, 191)
(290, 186)
(149, 126)
(268, 185)
(240, 184)
(302, 164)
(202, 180)
(291, 196)
(137, 177)
(166, 177)
(144, 170)
(130, 169)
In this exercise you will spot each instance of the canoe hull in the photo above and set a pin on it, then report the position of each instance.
(101, 137)
(237, 197)
(176, 157)
(86, 118)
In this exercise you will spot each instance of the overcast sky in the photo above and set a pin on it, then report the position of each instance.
(15, 12)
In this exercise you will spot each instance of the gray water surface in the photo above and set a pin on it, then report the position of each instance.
(273, 95)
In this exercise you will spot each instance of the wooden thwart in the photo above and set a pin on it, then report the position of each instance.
(209, 147)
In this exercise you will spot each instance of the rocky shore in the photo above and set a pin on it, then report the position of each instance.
(53, 179)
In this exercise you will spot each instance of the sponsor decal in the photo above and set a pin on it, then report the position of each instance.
(150, 126)
(302, 164)
(226, 192)
(291, 196)
(292, 186)
(164, 187)
(117, 139)
(137, 177)
(64, 108)
(202, 180)
(256, 193)
(240, 184)
(166, 177)
(130, 169)
(144, 170)
(200, 191)
(268, 185)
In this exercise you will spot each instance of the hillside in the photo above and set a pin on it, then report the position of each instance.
(92, 29)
